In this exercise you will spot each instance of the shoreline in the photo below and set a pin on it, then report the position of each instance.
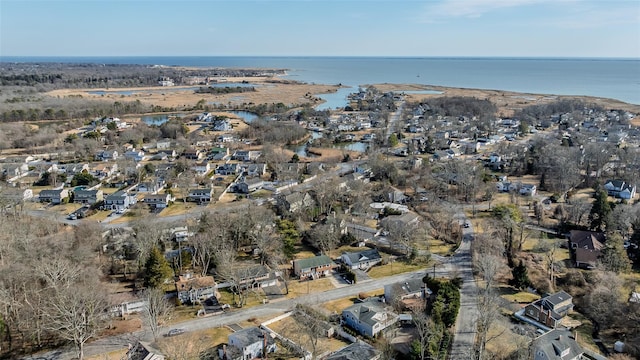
(292, 92)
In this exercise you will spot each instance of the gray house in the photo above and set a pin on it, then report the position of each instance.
(361, 259)
(557, 344)
(55, 196)
(369, 317)
(200, 195)
(119, 201)
(249, 343)
(249, 185)
(88, 197)
(357, 351)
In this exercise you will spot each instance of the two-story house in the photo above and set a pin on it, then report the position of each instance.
(119, 201)
(369, 318)
(54, 196)
(557, 344)
(106, 155)
(247, 344)
(157, 201)
(550, 310)
(87, 197)
(249, 185)
(192, 154)
(135, 155)
(193, 289)
(200, 195)
(228, 169)
(586, 247)
(314, 267)
(620, 189)
(246, 155)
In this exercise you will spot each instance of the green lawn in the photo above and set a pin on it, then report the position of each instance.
(394, 268)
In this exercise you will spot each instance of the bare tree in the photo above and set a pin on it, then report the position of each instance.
(156, 311)
(426, 330)
(77, 313)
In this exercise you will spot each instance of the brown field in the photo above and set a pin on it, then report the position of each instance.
(289, 93)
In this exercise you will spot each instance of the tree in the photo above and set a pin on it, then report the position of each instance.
(520, 276)
(600, 211)
(426, 330)
(157, 269)
(614, 256)
(393, 140)
(83, 178)
(77, 313)
(156, 311)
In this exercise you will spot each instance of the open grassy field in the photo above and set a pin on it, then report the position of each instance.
(394, 268)
(297, 288)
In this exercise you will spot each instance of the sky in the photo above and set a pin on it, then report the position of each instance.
(420, 28)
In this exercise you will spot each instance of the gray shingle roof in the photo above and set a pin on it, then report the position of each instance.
(356, 351)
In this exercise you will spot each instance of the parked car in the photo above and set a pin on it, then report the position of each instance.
(466, 224)
(174, 332)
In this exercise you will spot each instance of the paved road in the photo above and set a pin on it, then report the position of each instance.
(465, 335)
(273, 308)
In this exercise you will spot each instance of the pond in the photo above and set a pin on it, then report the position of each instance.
(159, 119)
(247, 116)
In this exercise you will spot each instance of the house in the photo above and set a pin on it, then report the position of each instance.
(557, 344)
(225, 138)
(245, 155)
(192, 154)
(406, 292)
(54, 196)
(249, 343)
(200, 195)
(587, 247)
(362, 259)
(528, 190)
(228, 169)
(218, 153)
(358, 350)
(144, 351)
(221, 125)
(249, 185)
(135, 155)
(102, 171)
(202, 168)
(14, 195)
(256, 276)
(314, 267)
(404, 221)
(255, 169)
(369, 318)
(151, 187)
(294, 201)
(166, 81)
(620, 189)
(119, 201)
(157, 201)
(163, 144)
(192, 290)
(72, 169)
(87, 197)
(550, 309)
(106, 155)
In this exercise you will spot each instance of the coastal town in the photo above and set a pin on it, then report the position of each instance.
(188, 217)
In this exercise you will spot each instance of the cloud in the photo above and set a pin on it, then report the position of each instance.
(470, 8)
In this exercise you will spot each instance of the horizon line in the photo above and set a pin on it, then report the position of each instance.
(529, 57)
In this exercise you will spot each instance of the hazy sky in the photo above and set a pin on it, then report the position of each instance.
(544, 28)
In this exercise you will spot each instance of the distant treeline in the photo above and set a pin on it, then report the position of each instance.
(62, 75)
(225, 90)
(462, 106)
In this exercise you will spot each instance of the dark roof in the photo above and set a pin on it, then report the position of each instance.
(557, 298)
(252, 335)
(366, 311)
(365, 255)
(590, 240)
(356, 351)
(557, 344)
(315, 261)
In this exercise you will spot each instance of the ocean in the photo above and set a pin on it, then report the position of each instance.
(600, 77)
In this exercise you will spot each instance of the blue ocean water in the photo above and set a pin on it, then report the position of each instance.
(606, 78)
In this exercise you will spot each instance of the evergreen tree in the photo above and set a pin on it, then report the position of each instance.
(520, 276)
(157, 269)
(600, 211)
(614, 257)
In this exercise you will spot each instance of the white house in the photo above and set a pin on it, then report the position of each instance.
(249, 343)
